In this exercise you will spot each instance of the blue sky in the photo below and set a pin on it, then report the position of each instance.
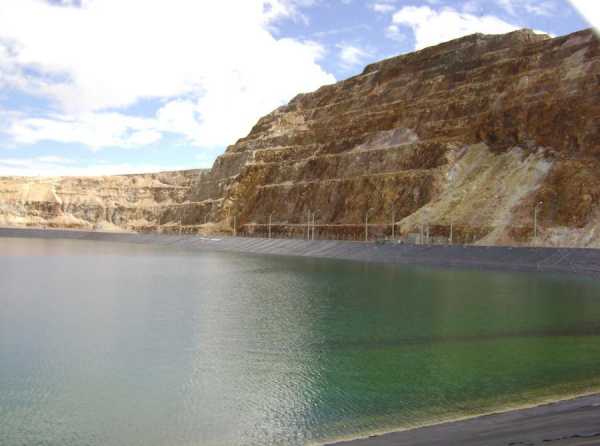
(93, 87)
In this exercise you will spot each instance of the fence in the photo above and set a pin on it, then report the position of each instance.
(427, 234)
(424, 234)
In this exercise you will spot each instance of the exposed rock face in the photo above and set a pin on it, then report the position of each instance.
(115, 203)
(464, 137)
(471, 133)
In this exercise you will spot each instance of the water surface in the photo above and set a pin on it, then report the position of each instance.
(113, 344)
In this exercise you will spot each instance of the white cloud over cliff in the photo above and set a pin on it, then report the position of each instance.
(208, 69)
(431, 26)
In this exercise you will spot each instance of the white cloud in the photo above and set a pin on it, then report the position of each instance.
(537, 7)
(342, 30)
(508, 5)
(96, 130)
(471, 6)
(352, 56)
(54, 166)
(541, 8)
(383, 8)
(393, 32)
(219, 58)
(181, 117)
(55, 159)
(431, 27)
(590, 9)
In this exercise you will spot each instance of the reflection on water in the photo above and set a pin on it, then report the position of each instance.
(107, 344)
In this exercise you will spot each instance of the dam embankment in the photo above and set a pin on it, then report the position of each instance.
(562, 260)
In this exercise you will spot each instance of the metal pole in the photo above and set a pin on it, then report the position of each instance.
(394, 225)
(535, 212)
(535, 226)
(270, 215)
(308, 226)
(234, 226)
(367, 224)
(451, 232)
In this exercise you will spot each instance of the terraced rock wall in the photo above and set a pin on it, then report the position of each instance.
(464, 137)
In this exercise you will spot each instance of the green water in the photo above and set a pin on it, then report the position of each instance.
(108, 344)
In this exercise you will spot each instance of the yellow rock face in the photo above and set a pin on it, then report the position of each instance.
(111, 203)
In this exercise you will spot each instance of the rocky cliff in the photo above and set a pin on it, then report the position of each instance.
(465, 139)
(145, 202)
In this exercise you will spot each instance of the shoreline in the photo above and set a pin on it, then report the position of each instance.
(573, 420)
(583, 262)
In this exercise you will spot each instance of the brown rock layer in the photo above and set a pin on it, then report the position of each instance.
(471, 133)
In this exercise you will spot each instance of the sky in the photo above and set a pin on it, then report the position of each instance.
(98, 87)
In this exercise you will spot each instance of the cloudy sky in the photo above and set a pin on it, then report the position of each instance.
(93, 87)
